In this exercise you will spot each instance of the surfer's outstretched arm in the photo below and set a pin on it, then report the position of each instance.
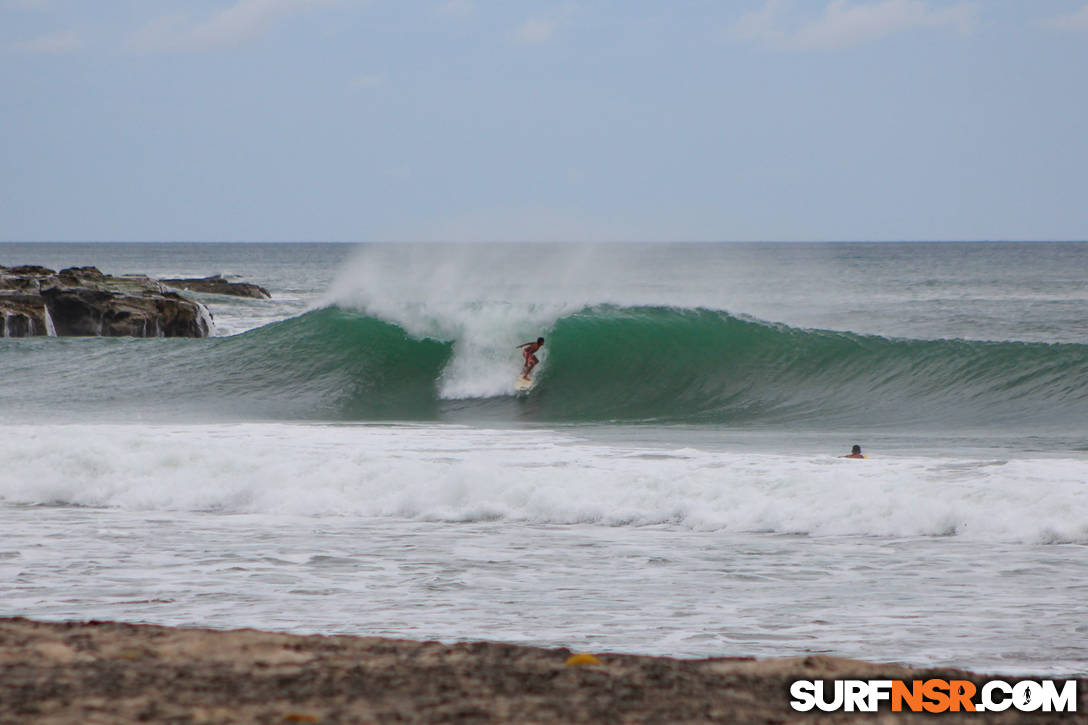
(538, 343)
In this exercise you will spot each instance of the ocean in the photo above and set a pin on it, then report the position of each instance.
(351, 457)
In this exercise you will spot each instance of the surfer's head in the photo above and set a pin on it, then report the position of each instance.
(855, 451)
(540, 341)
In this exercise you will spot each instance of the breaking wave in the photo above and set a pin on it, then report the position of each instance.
(600, 363)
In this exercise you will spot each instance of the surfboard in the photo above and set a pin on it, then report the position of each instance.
(524, 384)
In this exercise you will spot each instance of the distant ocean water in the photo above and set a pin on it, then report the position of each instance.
(351, 455)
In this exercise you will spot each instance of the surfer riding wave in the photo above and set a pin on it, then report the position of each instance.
(528, 351)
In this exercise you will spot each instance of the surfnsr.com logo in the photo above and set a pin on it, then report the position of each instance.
(934, 695)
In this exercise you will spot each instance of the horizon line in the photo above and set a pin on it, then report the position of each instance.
(554, 241)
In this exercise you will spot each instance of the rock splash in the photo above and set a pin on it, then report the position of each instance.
(82, 301)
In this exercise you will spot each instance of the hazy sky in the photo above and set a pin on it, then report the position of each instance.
(358, 120)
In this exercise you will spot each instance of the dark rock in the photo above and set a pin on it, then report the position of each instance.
(24, 314)
(77, 311)
(81, 275)
(28, 270)
(83, 301)
(219, 286)
(25, 277)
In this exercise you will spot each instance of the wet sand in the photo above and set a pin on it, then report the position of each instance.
(107, 672)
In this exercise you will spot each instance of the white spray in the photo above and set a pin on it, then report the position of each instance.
(50, 330)
(205, 319)
(489, 298)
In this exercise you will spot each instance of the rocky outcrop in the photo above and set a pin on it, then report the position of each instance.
(26, 277)
(80, 311)
(218, 286)
(83, 301)
(24, 314)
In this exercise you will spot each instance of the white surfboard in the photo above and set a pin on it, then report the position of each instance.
(524, 384)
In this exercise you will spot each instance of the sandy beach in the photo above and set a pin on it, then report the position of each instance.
(109, 672)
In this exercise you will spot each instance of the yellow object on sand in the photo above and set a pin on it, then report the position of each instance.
(582, 660)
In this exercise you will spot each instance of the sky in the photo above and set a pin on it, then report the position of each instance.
(602, 120)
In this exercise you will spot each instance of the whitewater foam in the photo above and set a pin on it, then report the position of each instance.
(446, 473)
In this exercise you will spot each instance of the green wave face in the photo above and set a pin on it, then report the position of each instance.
(601, 364)
(338, 364)
(701, 366)
(324, 365)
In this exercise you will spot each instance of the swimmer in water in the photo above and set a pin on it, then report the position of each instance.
(855, 452)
